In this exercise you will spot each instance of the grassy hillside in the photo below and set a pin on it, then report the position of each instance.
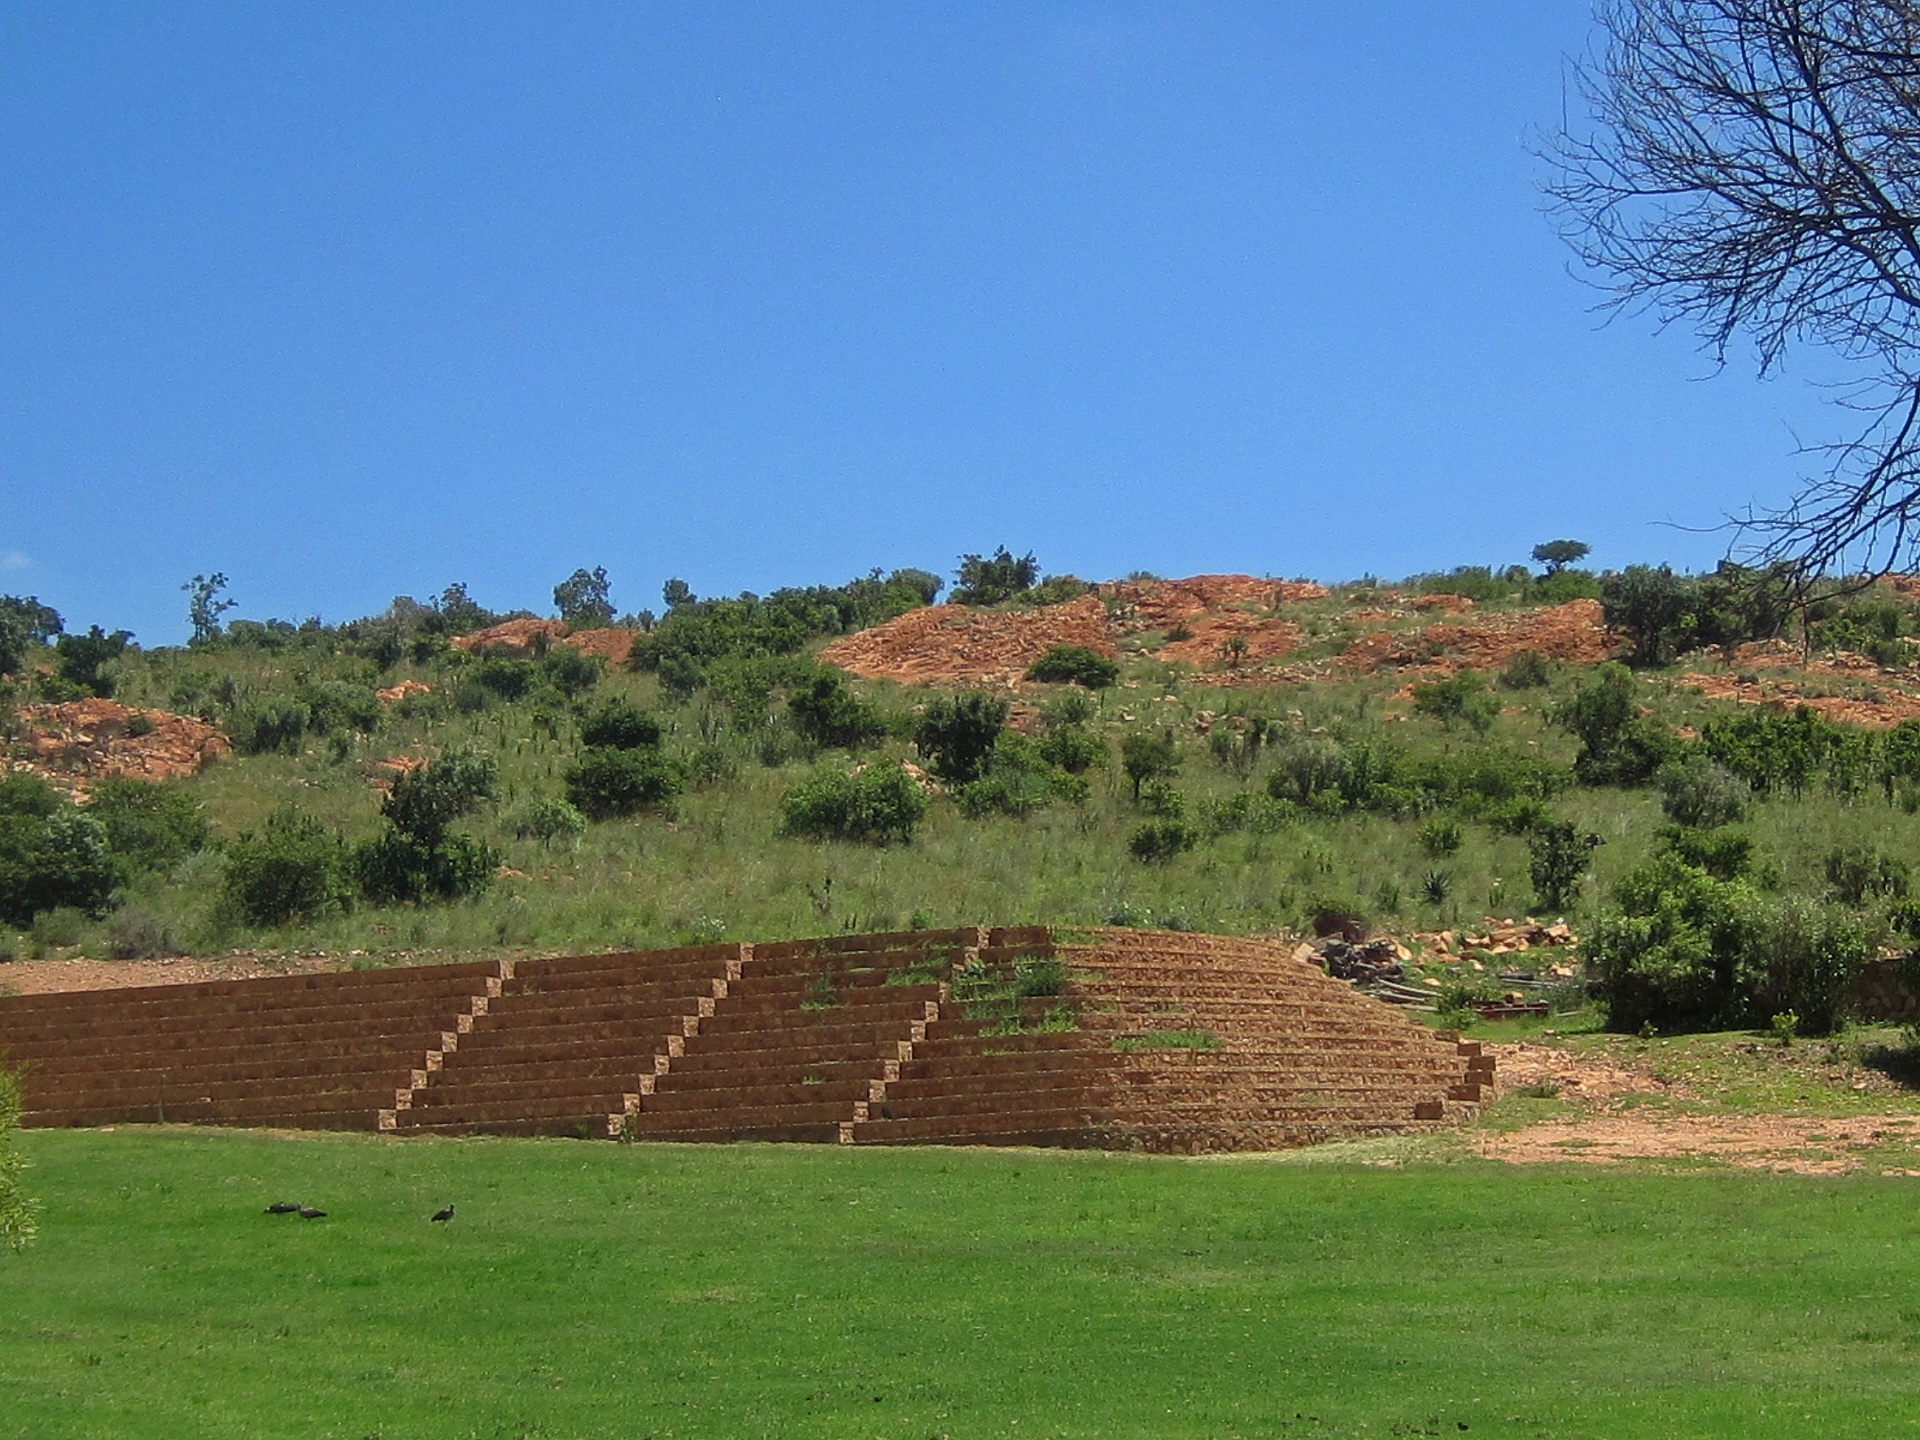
(714, 863)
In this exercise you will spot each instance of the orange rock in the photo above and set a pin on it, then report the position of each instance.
(521, 637)
(956, 642)
(82, 740)
(394, 694)
(612, 645)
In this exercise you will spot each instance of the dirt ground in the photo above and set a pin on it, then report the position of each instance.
(46, 977)
(1617, 1130)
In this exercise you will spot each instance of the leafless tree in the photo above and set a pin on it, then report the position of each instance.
(1753, 170)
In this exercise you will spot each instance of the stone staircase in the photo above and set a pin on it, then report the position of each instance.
(1155, 1041)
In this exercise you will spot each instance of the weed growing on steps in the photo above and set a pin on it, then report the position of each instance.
(1169, 1040)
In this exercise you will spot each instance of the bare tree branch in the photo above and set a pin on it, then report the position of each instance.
(1754, 172)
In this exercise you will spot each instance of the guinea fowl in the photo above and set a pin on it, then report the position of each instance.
(307, 1212)
(283, 1207)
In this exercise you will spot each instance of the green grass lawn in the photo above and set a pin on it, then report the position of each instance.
(602, 1290)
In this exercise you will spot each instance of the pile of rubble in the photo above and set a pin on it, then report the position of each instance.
(1139, 605)
(533, 636)
(1575, 631)
(1367, 962)
(1497, 937)
(79, 741)
(1882, 710)
(958, 642)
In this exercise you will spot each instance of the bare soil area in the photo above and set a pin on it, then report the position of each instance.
(46, 977)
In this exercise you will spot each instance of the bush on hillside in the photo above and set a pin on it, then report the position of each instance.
(1159, 841)
(394, 868)
(879, 805)
(1072, 749)
(1697, 793)
(1074, 665)
(957, 734)
(551, 821)
(1557, 855)
(56, 861)
(1687, 950)
(1459, 697)
(1149, 755)
(606, 783)
(151, 825)
(996, 578)
(1618, 744)
(830, 715)
(619, 725)
(293, 869)
(1017, 780)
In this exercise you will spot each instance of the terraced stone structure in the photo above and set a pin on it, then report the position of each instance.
(1115, 1038)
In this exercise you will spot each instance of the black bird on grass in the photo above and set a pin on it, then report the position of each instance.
(307, 1212)
(283, 1207)
(446, 1214)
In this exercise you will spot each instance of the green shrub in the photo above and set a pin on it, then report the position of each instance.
(992, 579)
(1802, 958)
(584, 599)
(151, 825)
(1697, 793)
(1770, 751)
(1667, 957)
(134, 933)
(395, 867)
(879, 805)
(1527, 670)
(1618, 745)
(1073, 708)
(270, 726)
(1723, 854)
(570, 670)
(1074, 665)
(1306, 767)
(82, 656)
(1462, 696)
(1858, 873)
(1159, 841)
(550, 821)
(1557, 855)
(1069, 748)
(1251, 812)
(62, 859)
(1440, 836)
(294, 869)
(828, 714)
(424, 802)
(1149, 755)
(957, 734)
(619, 725)
(505, 676)
(605, 783)
(336, 708)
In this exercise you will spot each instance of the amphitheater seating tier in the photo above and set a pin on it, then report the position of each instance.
(1168, 1042)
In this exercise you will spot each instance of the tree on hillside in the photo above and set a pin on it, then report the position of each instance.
(81, 657)
(1556, 555)
(584, 599)
(24, 622)
(205, 607)
(1755, 172)
(460, 613)
(991, 579)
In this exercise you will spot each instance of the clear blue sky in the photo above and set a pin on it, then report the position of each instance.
(351, 300)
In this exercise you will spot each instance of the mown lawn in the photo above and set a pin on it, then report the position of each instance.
(600, 1290)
